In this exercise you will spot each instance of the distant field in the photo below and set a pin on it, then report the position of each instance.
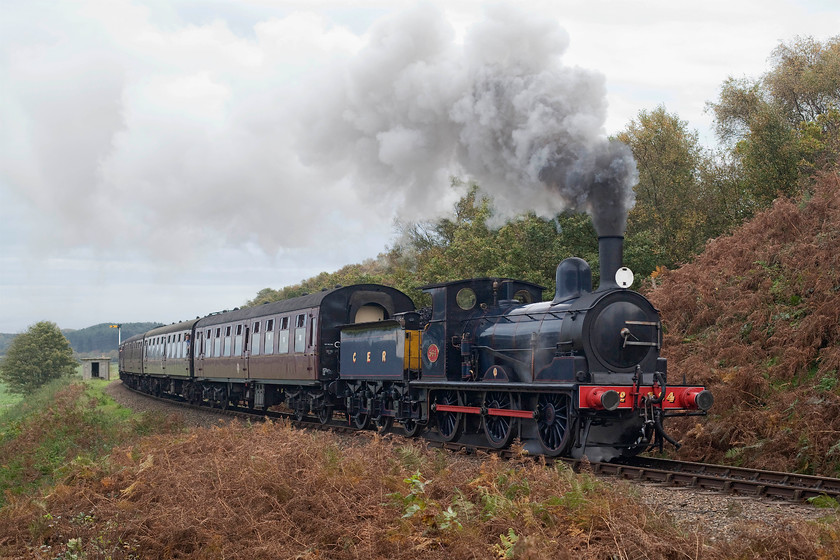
(6, 398)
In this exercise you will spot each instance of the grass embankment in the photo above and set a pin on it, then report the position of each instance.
(7, 399)
(64, 426)
(87, 483)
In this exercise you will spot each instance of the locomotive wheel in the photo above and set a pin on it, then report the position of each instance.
(500, 430)
(448, 423)
(554, 423)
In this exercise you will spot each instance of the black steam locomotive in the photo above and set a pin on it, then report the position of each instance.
(578, 375)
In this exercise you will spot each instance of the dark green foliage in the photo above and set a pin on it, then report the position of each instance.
(466, 245)
(36, 357)
(779, 132)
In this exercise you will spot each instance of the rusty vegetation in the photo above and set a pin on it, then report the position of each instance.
(273, 491)
(756, 317)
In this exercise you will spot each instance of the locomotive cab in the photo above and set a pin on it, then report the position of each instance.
(455, 303)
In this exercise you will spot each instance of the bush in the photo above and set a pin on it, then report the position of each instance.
(35, 357)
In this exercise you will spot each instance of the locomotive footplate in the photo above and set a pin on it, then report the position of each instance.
(473, 386)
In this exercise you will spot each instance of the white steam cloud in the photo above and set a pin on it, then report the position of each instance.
(168, 136)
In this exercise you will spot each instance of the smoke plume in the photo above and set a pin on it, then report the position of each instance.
(294, 135)
(414, 106)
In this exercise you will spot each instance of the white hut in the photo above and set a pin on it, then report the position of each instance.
(96, 368)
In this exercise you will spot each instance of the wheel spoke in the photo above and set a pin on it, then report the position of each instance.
(553, 423)
(448, 422)
(499, 430)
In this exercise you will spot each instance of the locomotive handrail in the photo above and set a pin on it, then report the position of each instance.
(499, 354)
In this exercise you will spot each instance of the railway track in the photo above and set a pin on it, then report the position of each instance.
(715, 478)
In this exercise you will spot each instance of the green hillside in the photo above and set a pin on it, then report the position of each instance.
(96, 340)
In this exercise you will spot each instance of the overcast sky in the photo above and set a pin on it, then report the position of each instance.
(160, 160)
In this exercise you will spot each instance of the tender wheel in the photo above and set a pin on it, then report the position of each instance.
(298, 414)
(325, 414)
(500, 430)
(384, 423)
(360, 420)
(448, 423)
(554, 423)
(412, 428)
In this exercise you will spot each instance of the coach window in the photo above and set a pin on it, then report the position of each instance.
(237, 342)
(300, 333)
(179, 349)
(217, 343)
(283, 336)
(269, 336)
(227, 348)
(255, 339)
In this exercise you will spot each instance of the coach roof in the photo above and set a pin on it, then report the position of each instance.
(290, 305)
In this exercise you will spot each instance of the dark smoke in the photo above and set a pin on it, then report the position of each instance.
(600, 182)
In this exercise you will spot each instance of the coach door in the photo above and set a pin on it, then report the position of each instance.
(202, 349)
(239, 350)
(246, 352)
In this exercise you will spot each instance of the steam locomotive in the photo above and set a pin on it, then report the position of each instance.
(578, 375)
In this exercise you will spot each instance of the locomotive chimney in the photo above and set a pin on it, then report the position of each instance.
(610, 255)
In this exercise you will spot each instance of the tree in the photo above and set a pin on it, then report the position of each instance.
(668, 209)
(35, 357)
(784, 126)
